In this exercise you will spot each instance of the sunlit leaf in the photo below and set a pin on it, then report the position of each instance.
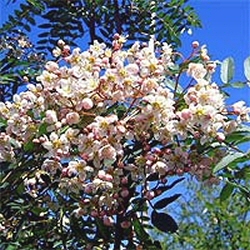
(247, 68)
(238, 85)
(171, 85)
(227, 70)
(227, 160)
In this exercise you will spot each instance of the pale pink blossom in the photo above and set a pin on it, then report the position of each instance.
(196, 70)
(87, 103)
(72, 118)
(51, 116)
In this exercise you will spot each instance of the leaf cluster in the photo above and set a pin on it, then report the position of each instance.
(209, 223)
(100, 20)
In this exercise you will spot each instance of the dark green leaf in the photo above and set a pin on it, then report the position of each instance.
(226, 192)
(243, 173)
(153, 177)
(167, 187)
(43, 129)
(163, 222)
(29, 146)
(3, 123)
(166, 201)
(139, 230)
(27, 27)
(45, 26)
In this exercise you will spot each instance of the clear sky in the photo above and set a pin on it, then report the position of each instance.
(226, 32)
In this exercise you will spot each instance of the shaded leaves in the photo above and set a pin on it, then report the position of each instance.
(164, 222)
(70, 20)
(166, 201)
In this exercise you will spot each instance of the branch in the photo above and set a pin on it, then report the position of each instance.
(117, 17)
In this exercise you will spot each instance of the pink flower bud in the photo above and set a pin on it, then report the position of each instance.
(25, 79)
(66, 49)
(88, 190)
(168, 151)
(94, 213)
(220, 137)
(60, 42)
(52, 66)
(65, 172)
(72, 118)
(150, 195)
(186, 114)
(179, 171)
(205, 57)
(51, 116)
(195, 44)
(125, 224)
(115, 196)
(124, 180)
(116, 36)
(108, 177)
(101, 174)
(87, 103)
(124, 193)
(36, 140)
(108, 221)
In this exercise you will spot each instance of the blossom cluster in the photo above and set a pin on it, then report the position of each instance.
(103, 118)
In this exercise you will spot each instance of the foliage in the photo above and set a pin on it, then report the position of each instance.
(208, 223)
(88, 152)
(99, 20)
(76, 21)
(19, 63)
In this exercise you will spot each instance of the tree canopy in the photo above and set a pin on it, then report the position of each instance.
(88, 147)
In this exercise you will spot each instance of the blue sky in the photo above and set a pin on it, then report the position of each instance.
(226, 32)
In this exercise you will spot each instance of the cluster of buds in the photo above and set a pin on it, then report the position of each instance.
(103, 120)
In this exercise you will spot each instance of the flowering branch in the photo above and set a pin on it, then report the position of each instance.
(102, 125)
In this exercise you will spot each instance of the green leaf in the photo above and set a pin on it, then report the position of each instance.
(226, 192)
(5, 79)
(3, 123)
(171, 85)
(153, 177)
(227, 70)
(166, 201)
(139, 230)
(167, 187)
(42, 129)
(238, 85)
(247, 68)
(239, 136)
(27, 27)
(29, 146)
(230, 158)
(243, 173)
(164, 222)
(12, 247)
